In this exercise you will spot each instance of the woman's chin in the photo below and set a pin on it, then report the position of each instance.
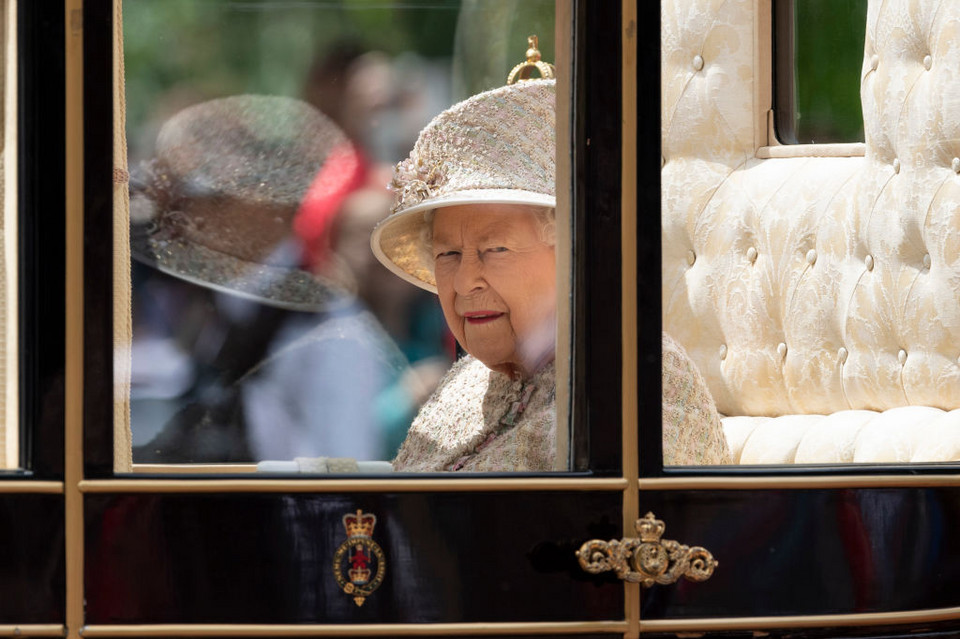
(499, 364)
(514, 367)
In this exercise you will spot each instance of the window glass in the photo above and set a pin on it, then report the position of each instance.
(261, 137)
(825, 60)
(808, 302)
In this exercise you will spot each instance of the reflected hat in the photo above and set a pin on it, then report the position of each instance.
(497, 147)
(229, 184)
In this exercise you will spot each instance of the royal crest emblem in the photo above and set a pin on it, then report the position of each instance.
(359, 563)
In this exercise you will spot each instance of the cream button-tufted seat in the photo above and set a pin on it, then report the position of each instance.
(819, 296)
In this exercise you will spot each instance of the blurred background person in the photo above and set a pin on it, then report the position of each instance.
(380, 104)
(286, 361)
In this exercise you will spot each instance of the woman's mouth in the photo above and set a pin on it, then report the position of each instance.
(481, 317)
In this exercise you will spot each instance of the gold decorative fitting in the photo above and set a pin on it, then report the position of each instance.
(523, 70)
(359, 563)
(647, 560)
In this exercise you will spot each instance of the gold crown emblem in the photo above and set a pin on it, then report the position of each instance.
(359, 524)
(650, 528)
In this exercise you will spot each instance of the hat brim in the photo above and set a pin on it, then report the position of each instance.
(283, 287)
(397, 240)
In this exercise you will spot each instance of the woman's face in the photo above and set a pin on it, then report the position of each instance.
(496, 279)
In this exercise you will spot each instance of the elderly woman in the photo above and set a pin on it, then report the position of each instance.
(473, 221)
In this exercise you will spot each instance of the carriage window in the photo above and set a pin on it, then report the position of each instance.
(809, 305)
(819, 58)
(266, 144)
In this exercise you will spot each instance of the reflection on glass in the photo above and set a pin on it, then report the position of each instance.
(261, 140)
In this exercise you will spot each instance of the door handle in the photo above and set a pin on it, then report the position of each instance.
(649, 559)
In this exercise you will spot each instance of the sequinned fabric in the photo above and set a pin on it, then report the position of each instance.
(459, 426)
(498, 146)
(215, 206)
(692, 434)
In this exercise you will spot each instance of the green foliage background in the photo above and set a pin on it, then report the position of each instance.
(185, 51)
(829, 36)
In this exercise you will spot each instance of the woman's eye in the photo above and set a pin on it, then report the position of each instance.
(497, 249)
(447, 254)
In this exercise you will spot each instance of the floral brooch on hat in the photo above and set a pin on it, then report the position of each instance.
(414, 181)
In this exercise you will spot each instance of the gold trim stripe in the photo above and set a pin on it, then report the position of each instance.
(563, 59)
(31, 488)
(194, 469)
(492, 629)
(32, 630)
(474, 485)
(355, 630)
(774, 482)
(73, 400)
(628, 278)
(810, 621)
(347, 485)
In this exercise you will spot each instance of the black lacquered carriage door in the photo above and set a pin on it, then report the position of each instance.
(854, 547)
(32, 567)
(223, 550)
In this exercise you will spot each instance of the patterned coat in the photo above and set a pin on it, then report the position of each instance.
(465, 424)
(692, 434)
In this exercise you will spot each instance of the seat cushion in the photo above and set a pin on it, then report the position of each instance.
(898, 435)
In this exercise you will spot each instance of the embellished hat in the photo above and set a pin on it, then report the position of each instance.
(225, 199)
(497, 147)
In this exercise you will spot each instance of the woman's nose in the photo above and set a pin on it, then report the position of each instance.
(469, 277)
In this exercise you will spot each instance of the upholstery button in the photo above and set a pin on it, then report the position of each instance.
(782, 350)
(868, 261)
(927, 62)
(697, 62)
(896, 165)
(842, 355)
(902, 357)
(955, 165)
(811, 257)
(926, 261)
(691, 257)
(752, 254)
(874, 61)
(723, 351)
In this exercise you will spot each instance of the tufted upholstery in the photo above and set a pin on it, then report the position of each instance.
(820, 296)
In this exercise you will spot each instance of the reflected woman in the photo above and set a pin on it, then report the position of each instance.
(473, 222)
(281, 360)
